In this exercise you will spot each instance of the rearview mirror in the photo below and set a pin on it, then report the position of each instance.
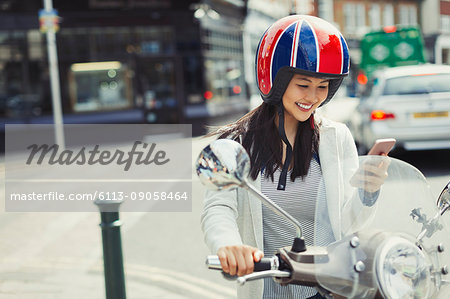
(224, 164)
(443, 202)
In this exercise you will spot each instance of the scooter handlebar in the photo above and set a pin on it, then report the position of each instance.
(266, 263)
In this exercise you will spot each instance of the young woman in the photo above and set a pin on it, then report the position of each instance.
(296, 160)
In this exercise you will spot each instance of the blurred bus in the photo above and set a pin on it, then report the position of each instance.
(149, 62)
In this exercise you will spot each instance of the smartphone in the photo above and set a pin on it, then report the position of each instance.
(382, 146)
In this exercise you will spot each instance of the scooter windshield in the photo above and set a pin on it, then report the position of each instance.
(390, 240)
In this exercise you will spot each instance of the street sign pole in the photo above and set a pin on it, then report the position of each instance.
(54, 78)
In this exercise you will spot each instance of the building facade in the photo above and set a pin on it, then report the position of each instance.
(125, 61)
(261, 14)
(436, 27)
(355, 18)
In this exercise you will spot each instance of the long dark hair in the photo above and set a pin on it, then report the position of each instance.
(259, 135)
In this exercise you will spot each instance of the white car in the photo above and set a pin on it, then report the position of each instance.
(408, 103)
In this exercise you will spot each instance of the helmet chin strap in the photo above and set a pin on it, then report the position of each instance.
(287, 161)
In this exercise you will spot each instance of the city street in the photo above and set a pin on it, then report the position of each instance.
(59, 255)
(110, 70)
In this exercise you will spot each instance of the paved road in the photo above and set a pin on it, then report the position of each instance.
(435, 165)
(59, 255)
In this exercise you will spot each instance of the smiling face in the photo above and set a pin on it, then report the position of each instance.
(302, 96)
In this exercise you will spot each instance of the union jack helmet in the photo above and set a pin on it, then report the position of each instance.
(304, 45)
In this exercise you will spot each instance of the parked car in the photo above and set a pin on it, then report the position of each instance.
(408, 103)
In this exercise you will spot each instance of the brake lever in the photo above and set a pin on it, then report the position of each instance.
(263, 274)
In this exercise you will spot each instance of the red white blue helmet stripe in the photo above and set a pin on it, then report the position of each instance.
(303, 42)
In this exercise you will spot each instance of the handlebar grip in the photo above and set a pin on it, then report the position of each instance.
(213, 262)
(266, 263)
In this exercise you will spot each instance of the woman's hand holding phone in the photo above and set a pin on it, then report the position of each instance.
(372, 174)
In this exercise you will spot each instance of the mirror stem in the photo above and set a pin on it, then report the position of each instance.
(274, 207)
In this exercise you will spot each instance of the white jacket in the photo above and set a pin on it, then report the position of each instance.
(235, 217)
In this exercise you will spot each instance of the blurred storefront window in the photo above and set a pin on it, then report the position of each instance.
(99, 86)
(128, 3)
(172, 66)
(224, 65)
(20, 73)
(142, 50)
(157, 82)
(100, 42)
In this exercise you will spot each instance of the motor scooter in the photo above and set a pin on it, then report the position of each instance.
(393, 243)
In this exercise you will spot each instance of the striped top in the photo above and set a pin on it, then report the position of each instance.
(299, 199)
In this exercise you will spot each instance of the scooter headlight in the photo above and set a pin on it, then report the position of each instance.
(402, 270)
